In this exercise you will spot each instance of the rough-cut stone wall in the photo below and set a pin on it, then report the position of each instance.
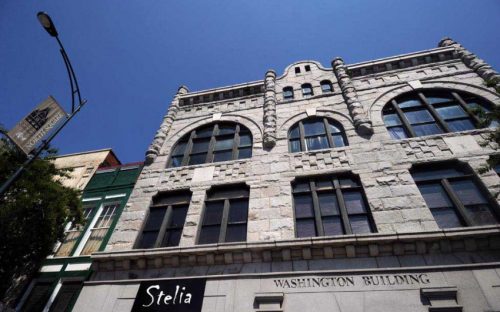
(382, 163)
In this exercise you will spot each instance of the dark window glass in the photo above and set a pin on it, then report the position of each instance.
(330, 206)
(431, 112)
(38, 297)
(225, 215)
(66, 296)
(165, 222)
(326, 86)
(214, 143)
(307, 90)
(316, 133)
(453, 196)
(288, 93)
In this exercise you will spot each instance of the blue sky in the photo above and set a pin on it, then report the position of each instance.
(131, 56)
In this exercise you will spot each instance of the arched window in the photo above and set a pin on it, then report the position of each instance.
(212, 143)
(326, 86)
(288, 93)
(430, 112)
(316, 133)
(307, 90)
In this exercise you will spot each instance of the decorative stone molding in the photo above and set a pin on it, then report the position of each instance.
(316, 248)
(361, 122)
(161, 134)
(270, 109)
(483, 69)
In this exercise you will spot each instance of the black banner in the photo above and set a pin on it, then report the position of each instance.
(184, 295)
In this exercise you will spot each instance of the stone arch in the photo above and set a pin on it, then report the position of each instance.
(342, 119)
(375, 111)
(254, 128)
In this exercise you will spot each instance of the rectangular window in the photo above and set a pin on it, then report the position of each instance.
(453, 196)
(100, 228)
(330, 206)
(225, 215)
(38, 297)
(66, 296)
(165, 222)
(74, 233)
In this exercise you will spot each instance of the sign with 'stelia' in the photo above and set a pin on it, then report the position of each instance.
(178, 295)
(34, 127)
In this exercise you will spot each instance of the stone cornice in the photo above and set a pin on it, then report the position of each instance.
(371, 245)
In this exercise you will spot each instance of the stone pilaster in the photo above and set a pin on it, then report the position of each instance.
(270, 110)
(483, 69)
(161, 134)
(361, 122)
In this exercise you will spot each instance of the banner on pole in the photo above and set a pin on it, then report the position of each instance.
(34, 127)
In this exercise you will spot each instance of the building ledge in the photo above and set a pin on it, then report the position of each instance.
(470, 239)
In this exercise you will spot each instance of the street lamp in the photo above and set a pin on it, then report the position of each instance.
(49, 26)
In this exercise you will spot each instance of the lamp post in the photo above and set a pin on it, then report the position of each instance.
(49, 26)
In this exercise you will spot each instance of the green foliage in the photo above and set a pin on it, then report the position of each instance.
(33, 213)
(486, 118)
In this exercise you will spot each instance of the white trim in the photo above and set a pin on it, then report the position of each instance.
(78, 266)
(53, 296)
(51, 268)
(115, 196)
(86, 235)
(91, 199)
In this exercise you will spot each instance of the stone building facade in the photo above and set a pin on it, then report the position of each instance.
(361, 190)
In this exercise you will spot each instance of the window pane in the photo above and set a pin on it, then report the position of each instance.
(409, 103)
(436, 173)
(301, 186)
(238, 211)
(197, 159)
(245, 140)
(213, 212)
(178, 216)
(453, 111)
(438, 99)
(179, 149)
(359, 224)
(338, 140)
(315, 143)
(172, 238)
(314, 127)
(294, 146)
(303, 206)
(223, 156)
(66, 296)
(209, 234)
(419, 116)
(176, 161)
(328, 204)
(200, 146)
(332, 226)
(245, 152)
(148, 239)
(481, 215)
(155, 218)
(205, 132)
(38, 297)
(397, 133)
(392, 120)
(224, 144)
(434, 195)
(294, 132)
(461, 125)
(306, 228)
(226, 129)
(236, 233)
(334, 129)
(446, 218)
(324, 184)
(428, 129)
(354, 202)
(348, 182)
(468, 192)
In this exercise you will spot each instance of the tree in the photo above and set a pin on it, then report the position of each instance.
(488, 117)
(33, 214)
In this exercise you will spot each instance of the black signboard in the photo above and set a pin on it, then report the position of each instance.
(184, 295)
